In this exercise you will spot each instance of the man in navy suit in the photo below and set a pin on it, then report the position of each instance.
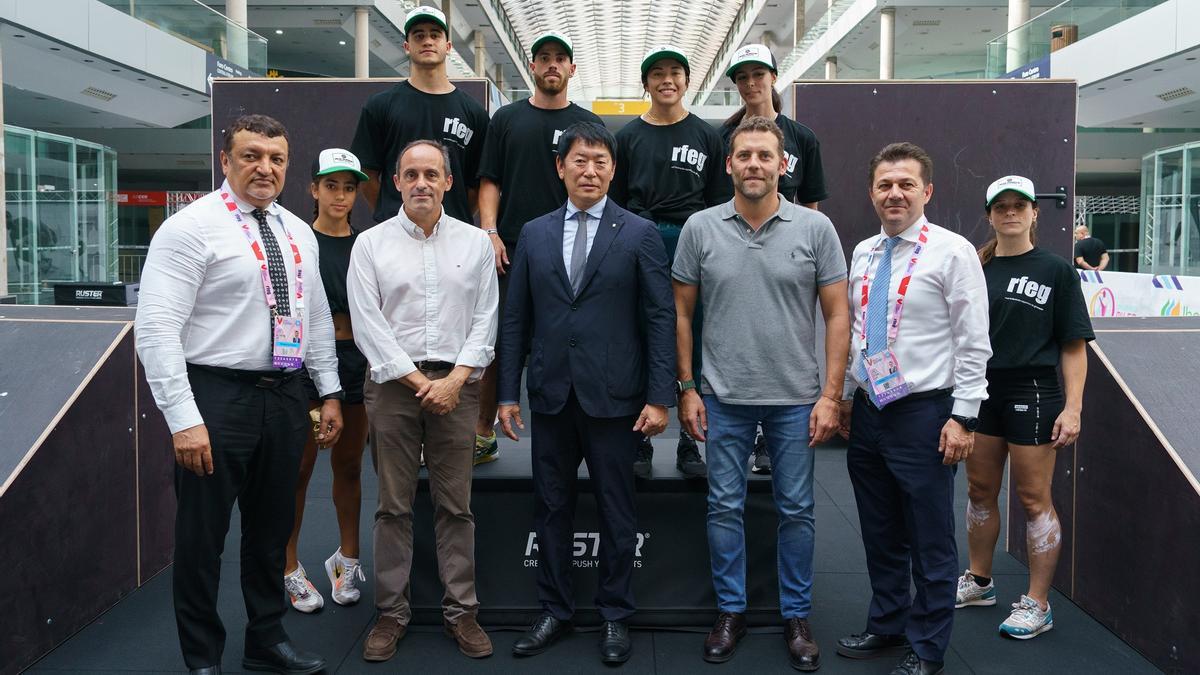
(589, 300)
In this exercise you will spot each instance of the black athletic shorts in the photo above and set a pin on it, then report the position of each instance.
(352, 371)
(1022, 405)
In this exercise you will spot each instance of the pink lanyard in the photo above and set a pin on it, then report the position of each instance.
(258, 254)
(894, 326)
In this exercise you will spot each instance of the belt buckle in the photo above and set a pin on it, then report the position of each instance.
(267, 382)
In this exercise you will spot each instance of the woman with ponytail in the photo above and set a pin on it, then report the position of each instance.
(336, 175)
(1038, 321)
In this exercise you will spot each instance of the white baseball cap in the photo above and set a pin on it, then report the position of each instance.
(552, 36)
(1018, 184)
(334, 160)
(751, 54)
(425, 14)
(660, 52)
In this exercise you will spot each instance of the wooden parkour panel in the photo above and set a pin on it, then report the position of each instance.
(86, 498)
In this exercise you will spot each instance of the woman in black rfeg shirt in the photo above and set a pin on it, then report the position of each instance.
(1038, 320)
(754, 72)
(335, 182)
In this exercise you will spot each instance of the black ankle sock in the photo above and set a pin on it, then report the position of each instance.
(982, 581)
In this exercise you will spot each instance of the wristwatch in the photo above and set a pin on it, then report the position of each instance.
(968, 423)
(682, 386)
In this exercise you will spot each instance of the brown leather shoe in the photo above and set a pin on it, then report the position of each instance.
(472, 640)
(803, 653)
(723, 639)
(381, 641)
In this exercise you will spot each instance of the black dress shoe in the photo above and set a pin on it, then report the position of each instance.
(283, 658)
(870, 645)
(911, 664)
(207, 670)
(615, 645)
(545, 632)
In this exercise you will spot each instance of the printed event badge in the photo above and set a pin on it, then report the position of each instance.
(289, 331)
(886, 381)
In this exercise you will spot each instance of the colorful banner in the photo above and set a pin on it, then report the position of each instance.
(1130, 294)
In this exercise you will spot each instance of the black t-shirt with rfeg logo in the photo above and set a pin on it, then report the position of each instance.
(394, 118)
(804, 180)
(519, 156)
(667, 173)
(1036, 305)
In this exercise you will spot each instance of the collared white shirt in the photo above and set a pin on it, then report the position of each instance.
(943, 337)
(571, 226)
(202, 302)
(417, 298)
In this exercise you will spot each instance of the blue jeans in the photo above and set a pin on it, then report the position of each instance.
(731, 432)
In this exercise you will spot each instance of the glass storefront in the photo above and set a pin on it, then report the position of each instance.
(60, 197)
(1170, 218)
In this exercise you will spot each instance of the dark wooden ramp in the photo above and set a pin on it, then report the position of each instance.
(85, 494)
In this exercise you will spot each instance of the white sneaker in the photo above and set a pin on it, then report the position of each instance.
(303, 594)
(342, 573)
(1027, 619)
(971, 593)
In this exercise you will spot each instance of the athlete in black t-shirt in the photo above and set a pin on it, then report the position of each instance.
(336, 178)
(1038, 320)
(754, 72)
(670, 164)
(425, 106)
(518, 182)
(1090, 252)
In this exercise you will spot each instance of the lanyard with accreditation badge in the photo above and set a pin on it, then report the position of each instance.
(288, 330)
(883, 370)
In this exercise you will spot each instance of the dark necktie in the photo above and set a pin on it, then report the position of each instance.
(275, 266)
(579, 251)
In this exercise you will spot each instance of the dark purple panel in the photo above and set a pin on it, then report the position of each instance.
(318, 114)
(976, 132)
(70, 519)
(156, 475)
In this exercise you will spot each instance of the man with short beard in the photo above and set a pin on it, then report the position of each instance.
(518, 182)
(425, 106)
(760, 255)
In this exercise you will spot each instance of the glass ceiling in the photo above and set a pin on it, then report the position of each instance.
(612, 36)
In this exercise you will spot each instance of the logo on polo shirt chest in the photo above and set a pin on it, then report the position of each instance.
(456, 128)
(689, 155)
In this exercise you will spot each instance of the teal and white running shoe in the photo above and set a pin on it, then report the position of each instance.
(1027, 619)
(970, 593)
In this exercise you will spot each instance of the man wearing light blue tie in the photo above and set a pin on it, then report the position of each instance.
(919, 351)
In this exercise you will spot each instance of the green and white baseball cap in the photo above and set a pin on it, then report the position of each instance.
(665, 51)
(424, 14)
(551, 36)
(334, 160)
(1018, 184)
(752, 54)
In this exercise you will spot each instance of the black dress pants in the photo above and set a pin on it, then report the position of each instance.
(559, 442)
(905, 499)
(257, 436)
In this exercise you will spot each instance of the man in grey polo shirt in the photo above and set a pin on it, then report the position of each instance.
(759, 263)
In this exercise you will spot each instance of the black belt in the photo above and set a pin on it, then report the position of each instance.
(263, 379)
(434, 366)
(915, 396)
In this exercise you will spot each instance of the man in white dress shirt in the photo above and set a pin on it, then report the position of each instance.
(221, 306)
(423, 295)
(919, 351)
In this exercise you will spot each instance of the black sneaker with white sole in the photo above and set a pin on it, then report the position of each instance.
(688, 459)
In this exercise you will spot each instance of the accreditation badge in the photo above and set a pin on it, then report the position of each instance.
(887, 383)
(289, 331)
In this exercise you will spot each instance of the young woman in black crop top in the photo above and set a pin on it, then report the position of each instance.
(336, 177)
(1038, 322)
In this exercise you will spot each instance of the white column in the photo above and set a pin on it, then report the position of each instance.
(887, 43)
(801, 26)
(235, 35)
(480, 53)
(362, 43)
(498, 77)
(831, 67)
(1017, 51)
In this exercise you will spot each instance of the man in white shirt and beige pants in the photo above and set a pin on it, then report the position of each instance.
(919, 351)
(223, 327)
(423, 297)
